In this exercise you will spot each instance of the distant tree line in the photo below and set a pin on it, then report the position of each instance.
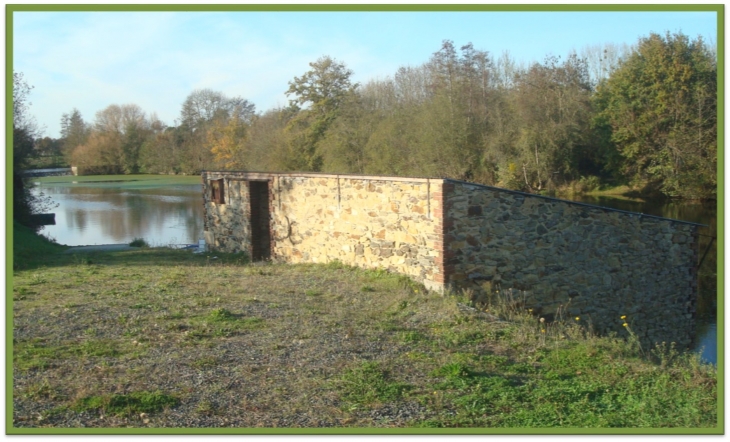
(644, 115)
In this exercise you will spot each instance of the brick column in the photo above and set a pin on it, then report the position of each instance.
(440, 192)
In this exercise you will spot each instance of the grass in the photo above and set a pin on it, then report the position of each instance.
(29, 248)
(126, 404)
(127, 181)
(188, 341)
(368, 384)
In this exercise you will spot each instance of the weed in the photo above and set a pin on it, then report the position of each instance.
(43, 390)
(21, 293)
(221, 315)
(367, 289)
(665, 354)
(412, 336)
(94, 348)
(205, 408)
(453, 370)
(82, 259)
(312, 292)
(139, 242)
(336, 265)
(37, 279)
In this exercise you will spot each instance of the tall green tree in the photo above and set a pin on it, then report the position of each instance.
(74, 132)
(552, 100)
(321, 91)
(661, 105)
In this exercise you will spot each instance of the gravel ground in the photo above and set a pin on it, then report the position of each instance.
(284, 371)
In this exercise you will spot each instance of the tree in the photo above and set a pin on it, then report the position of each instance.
(323, 87)
(321, 90)
(47, 147)
(553, 104)
(204, 112)
(74, 131)
(226, 139)
(661, 105)
(25, 131)
(204, 105)
(114, 142)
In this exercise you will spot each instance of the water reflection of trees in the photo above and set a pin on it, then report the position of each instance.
(160, 215)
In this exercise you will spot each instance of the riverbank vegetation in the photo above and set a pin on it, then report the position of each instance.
(157, 337)
(642, 117)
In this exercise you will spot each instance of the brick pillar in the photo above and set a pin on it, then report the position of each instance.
(441, 190)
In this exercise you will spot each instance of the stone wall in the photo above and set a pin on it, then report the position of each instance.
(585, 261)
(597, 264)
(227, 226)
(371, 222)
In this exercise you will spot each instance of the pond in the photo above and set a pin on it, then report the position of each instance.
(169, 211)
(163, 212)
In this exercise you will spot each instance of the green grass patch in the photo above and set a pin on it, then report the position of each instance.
(37, 354)
(33, 354)
(127, 404)
(369, 383)
(222, 315)
(125, 181)
(31, 250)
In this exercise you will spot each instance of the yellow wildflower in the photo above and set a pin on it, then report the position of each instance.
(626, 325)
(577, 318)
(623, 317)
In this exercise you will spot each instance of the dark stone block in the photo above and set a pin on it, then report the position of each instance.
(474, 211)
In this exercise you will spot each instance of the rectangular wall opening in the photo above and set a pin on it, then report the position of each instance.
(260, 220)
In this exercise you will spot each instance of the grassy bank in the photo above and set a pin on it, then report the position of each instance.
(30, 249)
(167, 338)
(127, 181)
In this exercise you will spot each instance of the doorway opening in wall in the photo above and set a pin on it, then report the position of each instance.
(260, 220)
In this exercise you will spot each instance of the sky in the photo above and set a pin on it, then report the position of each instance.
(90, 60)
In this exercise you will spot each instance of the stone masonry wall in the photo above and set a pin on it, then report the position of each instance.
(227, 226)
(371, 222)
(583, 261)
(597, 264)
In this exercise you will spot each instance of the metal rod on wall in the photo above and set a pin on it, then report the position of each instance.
(712, 239)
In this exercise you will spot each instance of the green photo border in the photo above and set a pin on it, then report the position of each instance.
(10, 9)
